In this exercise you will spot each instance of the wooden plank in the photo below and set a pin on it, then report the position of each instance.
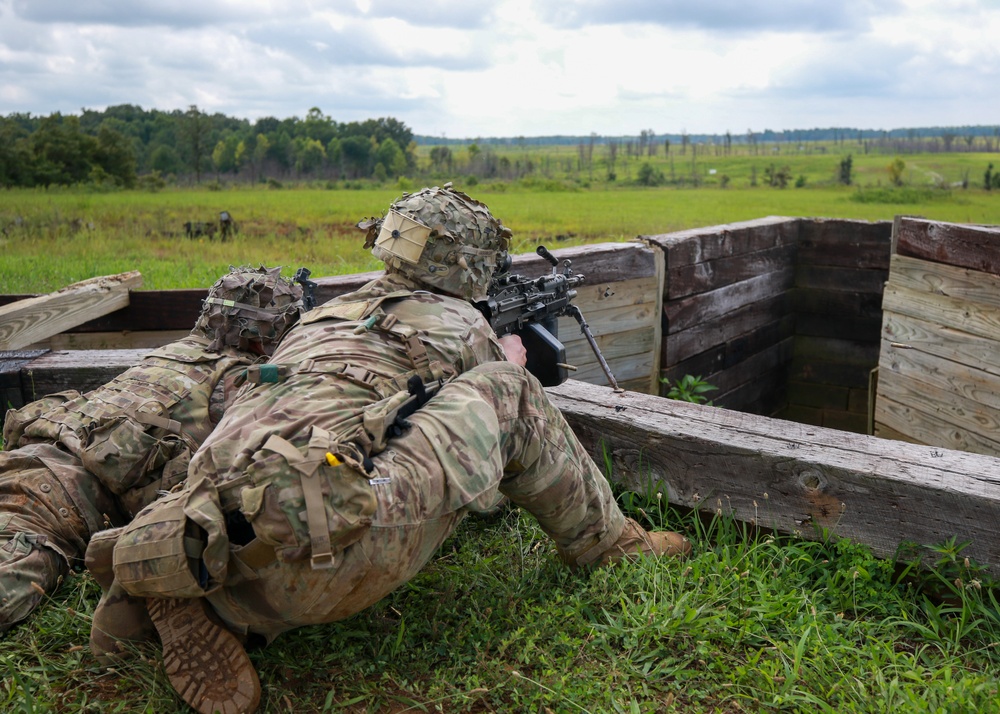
(763, 395)
(823, 277)
(818, 349)
(939, 279)
(700, 244)
(752, 367)
(688, 280)
(724, 329)
(845, 243)
(841, 374)
(946, 342)
(844, 303)
(954, 314)
(705, 307)
(865, 329)
(961, 245)
(921, 422)
(734, 351)
(885, 432)
(969, 382)
(599, 263)
(111, 340)
(791, 477)
(81, 370)
(629, 354)
(27, 321)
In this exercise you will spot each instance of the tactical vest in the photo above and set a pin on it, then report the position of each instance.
(136, 433)
(283, 460)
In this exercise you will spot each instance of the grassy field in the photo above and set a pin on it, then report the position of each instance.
(753, 622)
(50, 239)
(750, 623)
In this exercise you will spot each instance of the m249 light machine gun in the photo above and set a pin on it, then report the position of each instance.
(529, 308)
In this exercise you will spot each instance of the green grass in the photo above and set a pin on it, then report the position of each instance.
(50, 239)
(751, 623)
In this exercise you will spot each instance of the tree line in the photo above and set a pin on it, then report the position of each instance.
(121, 143)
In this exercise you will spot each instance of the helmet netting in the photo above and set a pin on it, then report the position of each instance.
(249, 305)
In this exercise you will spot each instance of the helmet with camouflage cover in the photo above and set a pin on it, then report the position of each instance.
(249, 306)
(441, 238)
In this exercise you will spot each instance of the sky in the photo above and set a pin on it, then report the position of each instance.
(482, 68)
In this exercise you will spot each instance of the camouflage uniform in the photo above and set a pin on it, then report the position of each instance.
(311, 500)
(76, 463)
(323, 516)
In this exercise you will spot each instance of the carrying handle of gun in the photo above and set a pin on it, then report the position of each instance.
(585, 329)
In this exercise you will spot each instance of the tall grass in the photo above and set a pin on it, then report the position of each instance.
(752, 622)
(50, 239)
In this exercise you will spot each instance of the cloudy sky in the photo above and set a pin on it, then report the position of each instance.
(477, 68)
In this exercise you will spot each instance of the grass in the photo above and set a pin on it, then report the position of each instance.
(50, 239)
(753, 622)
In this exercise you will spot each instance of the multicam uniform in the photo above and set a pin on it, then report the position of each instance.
(340, 516)
(82, 463)
(76, 463)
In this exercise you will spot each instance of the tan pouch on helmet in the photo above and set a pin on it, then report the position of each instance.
(17, 420)
(176, 547)
(307, 504)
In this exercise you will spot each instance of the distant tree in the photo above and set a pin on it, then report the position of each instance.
(115, 157)
(988, 178)
(844, 173)
(63, 154)
(309, 155)
(896, 168)
(164, 159)
(648, 175)
(441, 158)
(392, 158)
(194, 129)
(261, 150)
(16, 160)
(357, 151)
(778, 177)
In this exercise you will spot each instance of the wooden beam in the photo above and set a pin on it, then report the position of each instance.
(28, 321)
(964, 246)
(791, 477)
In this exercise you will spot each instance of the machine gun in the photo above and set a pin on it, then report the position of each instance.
(529, 308)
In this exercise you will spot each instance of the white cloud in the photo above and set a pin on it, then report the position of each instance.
(515, 67)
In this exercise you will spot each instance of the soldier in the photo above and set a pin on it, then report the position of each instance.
(77, 464)
(312, 499)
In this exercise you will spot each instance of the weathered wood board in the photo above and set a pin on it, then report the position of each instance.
(939, 369)
(964, 246)
(790, 477)
(25, 322)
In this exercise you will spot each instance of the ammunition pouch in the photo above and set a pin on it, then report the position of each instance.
(176, 547)
(309, 502)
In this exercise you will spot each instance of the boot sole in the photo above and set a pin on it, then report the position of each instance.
(204, 662)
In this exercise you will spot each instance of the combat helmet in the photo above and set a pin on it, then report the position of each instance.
(441, 238)
(249, 305)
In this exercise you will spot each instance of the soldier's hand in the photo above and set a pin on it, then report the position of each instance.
(514, 349)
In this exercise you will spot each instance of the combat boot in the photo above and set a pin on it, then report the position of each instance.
(205, 662)
(119, 618)
(635, 540)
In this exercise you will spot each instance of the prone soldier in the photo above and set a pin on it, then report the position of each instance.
(304, 507)
(76, 464)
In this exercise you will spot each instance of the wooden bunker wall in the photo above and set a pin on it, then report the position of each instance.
(781, 314)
